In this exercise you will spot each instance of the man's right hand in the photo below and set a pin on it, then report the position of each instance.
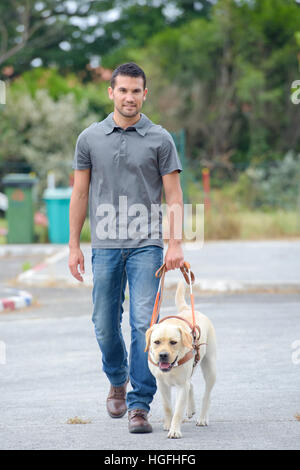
(76, 259)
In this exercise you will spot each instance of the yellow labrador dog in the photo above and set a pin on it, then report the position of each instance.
(169, 344)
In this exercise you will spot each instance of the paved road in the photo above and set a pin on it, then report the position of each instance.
(53, 369)
(52, 374)
(218, 266)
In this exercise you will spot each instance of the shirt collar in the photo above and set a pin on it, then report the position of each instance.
(141, 126)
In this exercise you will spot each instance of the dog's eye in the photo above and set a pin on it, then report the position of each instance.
(157, 342)
(173, 342)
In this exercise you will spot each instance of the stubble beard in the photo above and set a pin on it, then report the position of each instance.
(135, 111)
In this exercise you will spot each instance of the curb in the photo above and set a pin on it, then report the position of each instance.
(45, 275)
(29, 249)
(15, 299)
(34, 277)
(227, 286)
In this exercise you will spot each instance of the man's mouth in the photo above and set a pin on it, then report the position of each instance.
(166, 366)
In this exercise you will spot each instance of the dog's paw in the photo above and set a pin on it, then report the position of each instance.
(174, 434)
(166, 426)
(202, 422)
(190, 413)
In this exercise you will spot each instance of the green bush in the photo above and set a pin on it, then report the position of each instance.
(42, 133)
(272, 186)
(94, 94)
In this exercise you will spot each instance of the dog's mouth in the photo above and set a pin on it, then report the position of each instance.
(166, 366)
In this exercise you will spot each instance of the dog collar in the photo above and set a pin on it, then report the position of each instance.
(187, 357)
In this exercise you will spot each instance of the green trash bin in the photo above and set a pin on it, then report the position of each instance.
(58, 203)
(18, 188)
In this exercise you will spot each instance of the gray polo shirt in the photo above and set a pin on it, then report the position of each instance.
(127, 166)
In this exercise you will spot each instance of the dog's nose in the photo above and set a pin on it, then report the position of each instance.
(163, 356)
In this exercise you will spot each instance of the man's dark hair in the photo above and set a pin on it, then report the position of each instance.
(130, 70)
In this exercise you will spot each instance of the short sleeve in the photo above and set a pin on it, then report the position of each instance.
(168, 157)
(82, 158)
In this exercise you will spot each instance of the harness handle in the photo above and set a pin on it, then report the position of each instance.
(188, 276)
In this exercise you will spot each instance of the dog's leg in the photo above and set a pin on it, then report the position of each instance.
(181, 400)
(165, 392)
(208, 366)
(191, 408)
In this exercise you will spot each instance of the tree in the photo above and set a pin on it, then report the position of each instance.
(41, 132)
(227, 80)
(32, 28)
(190, 9)
(71, 34)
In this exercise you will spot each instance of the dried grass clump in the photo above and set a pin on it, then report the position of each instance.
(77, 420)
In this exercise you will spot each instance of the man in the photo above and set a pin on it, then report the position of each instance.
(121, 164)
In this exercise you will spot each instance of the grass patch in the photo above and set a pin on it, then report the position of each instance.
(228, 219)
(3, 226)
(26, 266)
(255, 225)
(86, 232)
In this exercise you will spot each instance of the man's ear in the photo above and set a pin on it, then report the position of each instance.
(110, 93)
(187, 339)
(148, 337)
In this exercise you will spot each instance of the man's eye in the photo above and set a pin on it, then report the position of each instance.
(157, 342)
(173, 342)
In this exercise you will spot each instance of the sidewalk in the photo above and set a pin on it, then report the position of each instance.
(225, 266)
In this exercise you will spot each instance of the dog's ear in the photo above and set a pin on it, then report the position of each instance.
(187, 339)
(148, 336)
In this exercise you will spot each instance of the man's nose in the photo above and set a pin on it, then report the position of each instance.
(129, 98)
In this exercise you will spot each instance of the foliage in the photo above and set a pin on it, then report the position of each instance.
(70, 34)
(230, 78)
(42, 132)
(270, 186)
(222, 72)
(40, 26)
(94, 93)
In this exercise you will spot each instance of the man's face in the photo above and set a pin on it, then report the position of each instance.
(128, 95)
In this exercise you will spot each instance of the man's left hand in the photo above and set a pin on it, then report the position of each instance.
(174, 257)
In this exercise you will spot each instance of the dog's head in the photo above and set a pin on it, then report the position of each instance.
(167, 344)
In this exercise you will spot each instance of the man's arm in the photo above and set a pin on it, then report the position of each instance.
(78, 208)
(174, 257)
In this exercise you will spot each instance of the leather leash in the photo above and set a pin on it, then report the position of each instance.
(189, 278)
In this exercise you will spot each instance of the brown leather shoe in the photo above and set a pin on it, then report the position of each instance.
(116, 401)
(138, 422)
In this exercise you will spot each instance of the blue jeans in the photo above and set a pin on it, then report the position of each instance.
(112, 267)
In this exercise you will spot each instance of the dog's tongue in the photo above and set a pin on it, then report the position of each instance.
(164, 365)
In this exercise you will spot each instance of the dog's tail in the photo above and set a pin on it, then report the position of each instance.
(180, 298)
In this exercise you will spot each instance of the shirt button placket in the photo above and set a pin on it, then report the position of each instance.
(123, 144)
